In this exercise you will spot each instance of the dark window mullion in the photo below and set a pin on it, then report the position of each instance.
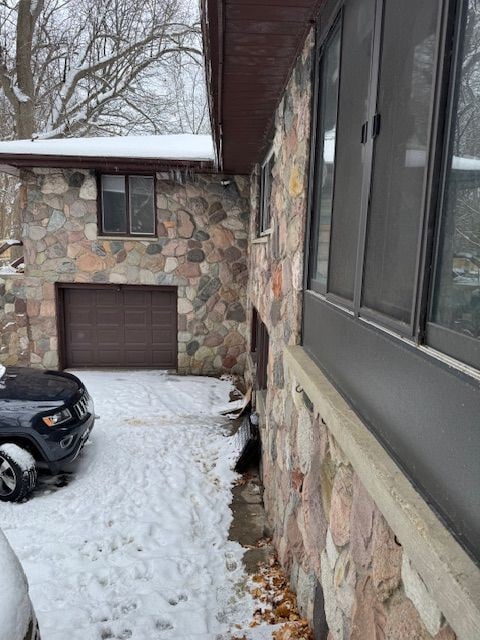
(128, 207)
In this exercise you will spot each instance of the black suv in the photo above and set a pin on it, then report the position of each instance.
(45, 417)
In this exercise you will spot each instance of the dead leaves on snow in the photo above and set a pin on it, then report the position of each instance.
(278, 604)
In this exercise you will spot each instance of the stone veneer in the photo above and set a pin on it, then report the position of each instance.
(14, 333)
(348, 568)
(201, 248)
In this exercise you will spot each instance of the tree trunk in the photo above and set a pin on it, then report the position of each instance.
(25, 105)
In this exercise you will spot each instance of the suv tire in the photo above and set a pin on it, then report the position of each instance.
(18, 473)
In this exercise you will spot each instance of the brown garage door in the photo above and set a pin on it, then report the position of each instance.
(119, 326)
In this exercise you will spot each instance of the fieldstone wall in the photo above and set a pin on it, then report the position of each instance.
(201, 248)
(14, 329)
(352, 578)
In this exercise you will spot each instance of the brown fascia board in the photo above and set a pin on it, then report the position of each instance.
(113, 165)
(212, 35)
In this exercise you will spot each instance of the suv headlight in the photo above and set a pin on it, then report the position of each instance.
(57, 418)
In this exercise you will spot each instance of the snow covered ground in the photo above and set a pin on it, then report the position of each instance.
(135, 544)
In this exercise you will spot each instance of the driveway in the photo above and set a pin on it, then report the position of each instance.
(131, 541)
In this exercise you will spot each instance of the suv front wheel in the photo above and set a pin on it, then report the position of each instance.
(18, 473)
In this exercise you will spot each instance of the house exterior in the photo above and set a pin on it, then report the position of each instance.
(330, 252)
(350, 117)
(130, 260)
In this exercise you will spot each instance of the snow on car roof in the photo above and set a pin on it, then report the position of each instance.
(181, 147)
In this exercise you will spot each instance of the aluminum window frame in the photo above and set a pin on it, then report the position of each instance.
(415, 329)
(264, 220)
(128, 213)
(334, 25)
(454, 344)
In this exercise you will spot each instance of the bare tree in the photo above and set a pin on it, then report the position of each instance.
(101, 67)
(73, 67)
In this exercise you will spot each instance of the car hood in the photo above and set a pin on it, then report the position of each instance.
(35, 385)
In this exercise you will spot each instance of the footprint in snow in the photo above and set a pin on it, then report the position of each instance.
(230, 562)
(163, 625)
(182, 597)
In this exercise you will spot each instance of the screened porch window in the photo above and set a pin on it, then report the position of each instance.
(455, 313)
(374, 117)
(325, 160)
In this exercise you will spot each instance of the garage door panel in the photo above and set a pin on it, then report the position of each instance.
(109, 357)
(81, 316)
(138, 298)
(136, 317)
(161, 337)
(165, 355)
(119, 327)
(138, 357)
(82, 335)
(108, 337)
(81, 358)
(79, 296)
(105, 298)
(132, 336)
(163, 316)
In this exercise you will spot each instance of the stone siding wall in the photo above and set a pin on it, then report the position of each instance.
(201, 248)
(345, 562)
(14, 326)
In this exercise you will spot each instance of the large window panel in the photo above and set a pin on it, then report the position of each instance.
(114, 209)
(406, 86)
(456, 301)
(325, 160)
(142, 205)
(358, 25)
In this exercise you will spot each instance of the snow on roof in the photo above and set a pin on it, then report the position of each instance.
(418, 158)
(166, 147)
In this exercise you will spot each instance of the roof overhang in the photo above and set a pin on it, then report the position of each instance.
(250, 49)
(10, 162)
(193, 153)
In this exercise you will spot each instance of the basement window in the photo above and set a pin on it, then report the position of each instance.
(259, 350)
(127, 205)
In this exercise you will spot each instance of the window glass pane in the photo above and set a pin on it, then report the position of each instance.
(325, 160)
(358, 24)
(142, 205)
(457, 293)
(114, 204)
(266, 193)
(404, 99)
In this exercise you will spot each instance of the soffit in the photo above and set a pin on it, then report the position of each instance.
(250, 48)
